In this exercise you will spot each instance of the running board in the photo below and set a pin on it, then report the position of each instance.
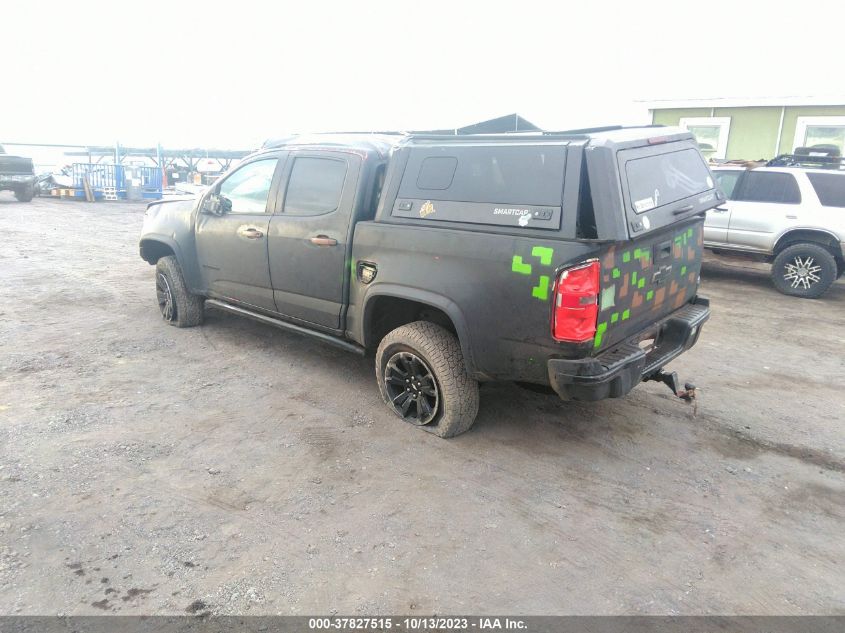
(284, 325)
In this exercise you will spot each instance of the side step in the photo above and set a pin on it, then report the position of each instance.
(284, 325)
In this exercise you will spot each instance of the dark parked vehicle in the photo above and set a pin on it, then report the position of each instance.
(568, 261)
(18, 175)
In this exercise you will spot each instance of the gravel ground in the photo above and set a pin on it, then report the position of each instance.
(238, 469)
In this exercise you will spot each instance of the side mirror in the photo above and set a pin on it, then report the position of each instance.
(215, 204)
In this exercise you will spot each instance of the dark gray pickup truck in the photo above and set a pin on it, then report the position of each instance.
(567, 260)
(18, 175)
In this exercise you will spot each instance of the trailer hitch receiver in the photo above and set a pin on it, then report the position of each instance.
(671, 380)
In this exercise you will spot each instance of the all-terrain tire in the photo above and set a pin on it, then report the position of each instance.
(804, 270)
(24, 195)
(186, 309)
(439, 349)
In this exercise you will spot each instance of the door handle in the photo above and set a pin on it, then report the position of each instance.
(250, 232)
(323, 240)
(720, 209)
(688, 207)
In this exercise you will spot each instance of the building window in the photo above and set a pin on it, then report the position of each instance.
(822, 132)
(711, 134)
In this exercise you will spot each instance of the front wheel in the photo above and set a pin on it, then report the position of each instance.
(422, 377)
(804, 270)
(178, 307)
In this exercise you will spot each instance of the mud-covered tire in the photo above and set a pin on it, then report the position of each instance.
(440, 352)
(804, 270)
(24, 195)
(186, 308)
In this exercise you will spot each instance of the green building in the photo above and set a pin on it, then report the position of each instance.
(752, 129)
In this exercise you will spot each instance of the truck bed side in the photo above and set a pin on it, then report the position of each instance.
(496, 289)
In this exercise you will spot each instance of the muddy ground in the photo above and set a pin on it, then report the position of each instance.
(236, 468)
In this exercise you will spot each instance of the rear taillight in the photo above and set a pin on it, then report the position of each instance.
(576, 306)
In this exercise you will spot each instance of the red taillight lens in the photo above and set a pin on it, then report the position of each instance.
(576, 305)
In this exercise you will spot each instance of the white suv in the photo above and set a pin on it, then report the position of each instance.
(787, 213)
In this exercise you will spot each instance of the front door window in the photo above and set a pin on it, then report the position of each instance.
(248, 187)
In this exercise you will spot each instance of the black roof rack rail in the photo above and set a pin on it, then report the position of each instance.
(814, 160)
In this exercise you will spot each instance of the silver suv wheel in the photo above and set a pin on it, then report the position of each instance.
(802, 272)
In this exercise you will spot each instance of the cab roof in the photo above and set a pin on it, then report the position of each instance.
(378, 143)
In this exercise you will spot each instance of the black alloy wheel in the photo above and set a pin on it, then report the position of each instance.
(411, 388)
(166, 304)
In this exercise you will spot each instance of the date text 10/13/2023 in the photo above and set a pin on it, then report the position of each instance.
(416, 624)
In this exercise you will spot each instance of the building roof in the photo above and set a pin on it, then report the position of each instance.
(507, 123)
(746, 102)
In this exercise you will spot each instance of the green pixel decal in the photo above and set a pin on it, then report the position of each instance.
(631, 292)
(518, 267)
(608, 298)
(600, 330)
(541, 290)
(545, 255)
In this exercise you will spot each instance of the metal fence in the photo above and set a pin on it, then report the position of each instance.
(119, 181)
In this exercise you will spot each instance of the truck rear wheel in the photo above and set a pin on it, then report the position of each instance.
(422, 377)
(24, 195)
(178, 307)
(804, 270)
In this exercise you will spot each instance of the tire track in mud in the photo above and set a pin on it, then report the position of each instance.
(805, 454)
(753, 444)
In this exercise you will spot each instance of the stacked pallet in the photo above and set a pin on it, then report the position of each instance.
(63, 193)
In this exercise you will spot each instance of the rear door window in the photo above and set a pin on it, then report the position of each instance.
(661, 179)
(767, 186)
(315, 186)
(830, 188)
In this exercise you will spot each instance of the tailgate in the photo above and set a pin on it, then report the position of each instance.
(645, 280)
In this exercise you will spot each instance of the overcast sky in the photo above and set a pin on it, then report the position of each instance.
(231, 74)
